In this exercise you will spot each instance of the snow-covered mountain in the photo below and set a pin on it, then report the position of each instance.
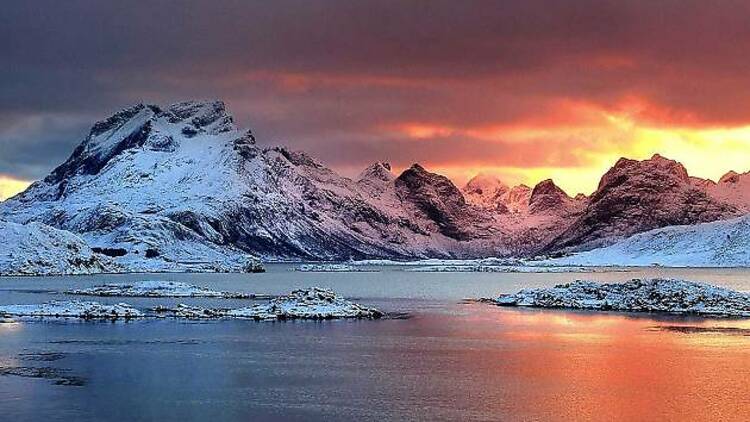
(153, 186)
(182, 188)
(717, 244)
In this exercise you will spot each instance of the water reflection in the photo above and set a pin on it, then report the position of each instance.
(608, 366)
(450, 361)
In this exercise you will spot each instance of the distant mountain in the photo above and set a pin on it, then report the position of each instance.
(636, 196)
(182, 188)
(547, 197)
(487, 192)
(732, 188)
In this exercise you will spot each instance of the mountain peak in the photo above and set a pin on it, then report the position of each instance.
(119, 118)
(209, 116)
(546, 195)
(730, 177)
(378, 170)
(484, 184)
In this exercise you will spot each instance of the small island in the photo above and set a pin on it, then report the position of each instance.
(636, 295)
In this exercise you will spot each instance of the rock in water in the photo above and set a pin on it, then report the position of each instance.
(637, 295)
(71, 309)
(312, 303)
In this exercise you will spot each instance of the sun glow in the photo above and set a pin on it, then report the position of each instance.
(575, 156)
(10, 187)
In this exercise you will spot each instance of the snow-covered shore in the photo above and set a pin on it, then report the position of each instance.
(158, 288)
(328, 268)
(637, 295)
(474, 268)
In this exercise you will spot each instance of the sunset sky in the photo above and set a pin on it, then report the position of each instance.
(527, 90)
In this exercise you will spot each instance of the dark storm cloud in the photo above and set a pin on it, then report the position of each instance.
(329, 76)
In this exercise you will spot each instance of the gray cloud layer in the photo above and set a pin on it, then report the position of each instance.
(331, 77)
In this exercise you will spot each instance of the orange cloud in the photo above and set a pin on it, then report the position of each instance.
(579, 142)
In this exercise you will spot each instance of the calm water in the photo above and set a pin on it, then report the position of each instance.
(449, 361)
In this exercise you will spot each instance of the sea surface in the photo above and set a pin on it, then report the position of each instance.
(449, 360)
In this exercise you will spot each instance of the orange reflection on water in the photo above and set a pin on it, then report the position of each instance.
(558, 365)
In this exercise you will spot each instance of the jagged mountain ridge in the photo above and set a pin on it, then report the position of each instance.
(637, 196)
(183, 185)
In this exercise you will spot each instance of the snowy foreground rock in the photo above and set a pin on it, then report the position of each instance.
(157, 288)
(312, 303)
(637, 295)
(71, 309)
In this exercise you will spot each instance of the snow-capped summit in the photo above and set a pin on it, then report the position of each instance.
(378, 171)
(438, 199)
(487, 192)
(732, 188)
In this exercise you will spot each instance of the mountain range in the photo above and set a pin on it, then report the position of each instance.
(181, 187)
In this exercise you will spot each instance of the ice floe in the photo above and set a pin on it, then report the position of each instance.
(636, 295)
(158, 288)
